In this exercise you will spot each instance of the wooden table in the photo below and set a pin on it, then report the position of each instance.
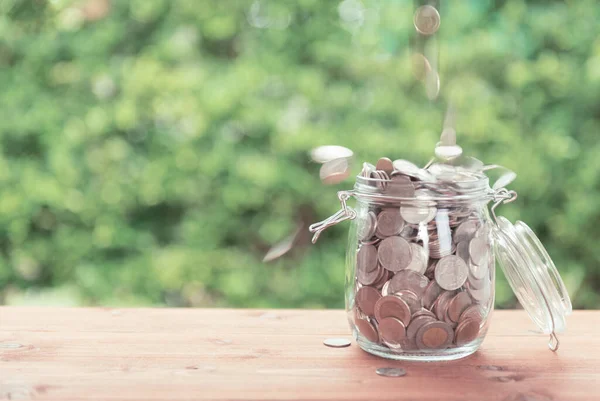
(196, 354)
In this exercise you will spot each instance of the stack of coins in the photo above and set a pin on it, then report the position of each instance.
(424, 265)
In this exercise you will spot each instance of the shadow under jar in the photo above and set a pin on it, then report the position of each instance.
(420, 268)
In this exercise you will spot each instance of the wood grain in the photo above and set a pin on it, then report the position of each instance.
(187, 354)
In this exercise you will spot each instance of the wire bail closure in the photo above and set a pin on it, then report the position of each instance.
(345, 213)
(502, 196)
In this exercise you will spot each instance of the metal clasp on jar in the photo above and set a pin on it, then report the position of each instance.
(345, 213)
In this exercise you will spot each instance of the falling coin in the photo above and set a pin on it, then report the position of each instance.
(323, 154)
(426, 20)
(391, 372)
(336, 342)
(334, 171)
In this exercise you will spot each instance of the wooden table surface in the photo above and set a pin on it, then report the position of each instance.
(197, 354)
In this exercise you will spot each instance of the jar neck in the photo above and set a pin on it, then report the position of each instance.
(374, 190)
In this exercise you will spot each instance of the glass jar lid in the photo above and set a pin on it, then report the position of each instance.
(532, 275)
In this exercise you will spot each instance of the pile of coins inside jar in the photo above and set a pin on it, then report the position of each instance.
(424, 268)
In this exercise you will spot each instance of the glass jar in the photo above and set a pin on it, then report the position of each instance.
(420, 265)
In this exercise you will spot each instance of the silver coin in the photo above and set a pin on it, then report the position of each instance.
(410, 169)
(417, 215)
(337, 342)
(384, 289)
(448, 137)
(323, 154)
(451, 272)
(479, 249)
(389, 222)
(408, 280)
(479, 272)
(426, 20)
(448, 152)
(391, 372)
(482, 295)
(465, 231)
(419, 259)
(432, 90)
(367, 226)
(394, 253)
(462, 250)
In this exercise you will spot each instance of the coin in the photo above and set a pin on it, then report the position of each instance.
(394, 253)
(482, 295)
(426, 20)
(423, 312)
(434, 335)
(457, 306)
(384, 289)
(411, 299)
(408, 280)
(448, 137)
(472, 312)
(337, 342)
(477, 284)
(419, 259)
(367, 226)
(416, 324)
(410, 169)
(480, 271)
(323, 154)
(381, 179)
(367, 330)
(369, 277)
(465, 231)
(392, 330)
(451, 272)
(432, 292)
(366, 258)
(391, 372)
(462, 250)
(392, 306)
(467, 331)
(440, 306)
(366, 298)
(334, 171)
(389, 222)
(385, 164)
(479, 250)
(401, 186)
(417, 215)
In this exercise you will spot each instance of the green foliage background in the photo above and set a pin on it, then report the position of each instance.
(152, 155)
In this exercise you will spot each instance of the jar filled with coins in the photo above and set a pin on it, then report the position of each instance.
(421, 258)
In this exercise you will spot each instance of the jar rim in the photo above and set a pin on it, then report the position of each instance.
(390, 190)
